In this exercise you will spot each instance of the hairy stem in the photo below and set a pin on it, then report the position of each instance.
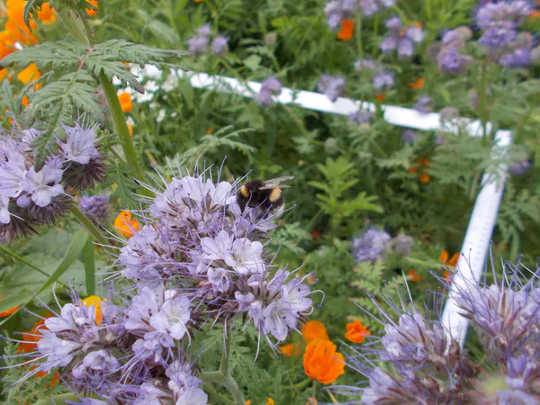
(89, 225)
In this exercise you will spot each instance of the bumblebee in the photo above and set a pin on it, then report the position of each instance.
(266, 194)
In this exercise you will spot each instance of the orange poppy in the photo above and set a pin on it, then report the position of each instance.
(46, 13)
(91, 12)
(452, 262)
(125, 225)
(322, 362)
(9, 311)
(269, 401)
(3, 73)
(356, 331)
(95, 301)
(347, 30)
(29, 74)
(416, 85)
(25, 101)
(125, 101)
(380, 97)
(413, 276)
(314, 330)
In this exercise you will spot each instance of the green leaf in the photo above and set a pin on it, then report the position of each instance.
(87, 258)
(74, 251)
(21, 297)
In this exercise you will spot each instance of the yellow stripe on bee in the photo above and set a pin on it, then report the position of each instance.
(275, 194)
(244, 191)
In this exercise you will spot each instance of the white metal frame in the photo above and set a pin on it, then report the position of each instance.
(484, 214)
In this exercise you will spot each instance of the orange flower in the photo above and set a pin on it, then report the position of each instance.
(31, 337)
(46, 13)
(422, 164)
(91, 12)
(125, 101)
(289, 349)
(248, 402)
(130, 129)
(322, 362)
(356, 331)
(452, 262)
(3, 73)
(95, 301)
(380, 97)
(424, 178)
(347, 30)
(198, 1)
(269, 401)
(125, 225)
(314, 330)
(25, 101)
(315, 234)
(9, 311)
(416, 85)
(29, 74)
(15, 25)
(413, 276)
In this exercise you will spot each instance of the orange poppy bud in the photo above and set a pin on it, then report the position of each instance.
(269, 401)
(95, 301)
(91, 12)
(130, 129)
(125, 225)
(347, 30)
(287, 350)
(25, 101)
(322, 362)
(356, 331)
(46, 13)
(125, 101)
(380, 97)
(314, 330)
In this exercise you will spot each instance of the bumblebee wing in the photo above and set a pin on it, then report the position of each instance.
(271, 183)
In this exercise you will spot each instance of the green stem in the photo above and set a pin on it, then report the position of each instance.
(217, 377)
(119, 124)
(89, 225)
(359, 47)
(482, 99)
(225, 355)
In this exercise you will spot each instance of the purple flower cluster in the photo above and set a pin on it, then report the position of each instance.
(450, 58)
(381, 78)
(32, 195)
(424, 104)
(199, 44)
(499, 22)
(269, 87)
(401, 38)
(371, 245)
(95, 207)
(423, 364)
(332, 86)
(197, 261)
(338, 10)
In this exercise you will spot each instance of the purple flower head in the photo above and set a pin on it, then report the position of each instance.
(409, 136)
(44, 184)
(451, 61)
(95, 207)
(361, 116)
(511, 12)
(520, 168)
(338, 10)
(402, 244)
(80, 144)
(220, 45)
(424, 104)
(507, 315)
(198, 44)
(332, 86)
(185, 387)
(370, 246)
(366, 63)
(383, 79)
(402, 39)
(204, 30)
(269, 88)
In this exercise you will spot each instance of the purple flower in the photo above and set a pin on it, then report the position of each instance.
(360, 116)
(402, 39)
(383, 79)
(450, 60)
(370, 246)
(269, 87)
(220, 45)
(332, 86)
(80, 144)
(520, 168)
(95, 207)
(198, 44)
(44, 184)
(424, 104)
(409, 136)
(402, 244)
(366, 63)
